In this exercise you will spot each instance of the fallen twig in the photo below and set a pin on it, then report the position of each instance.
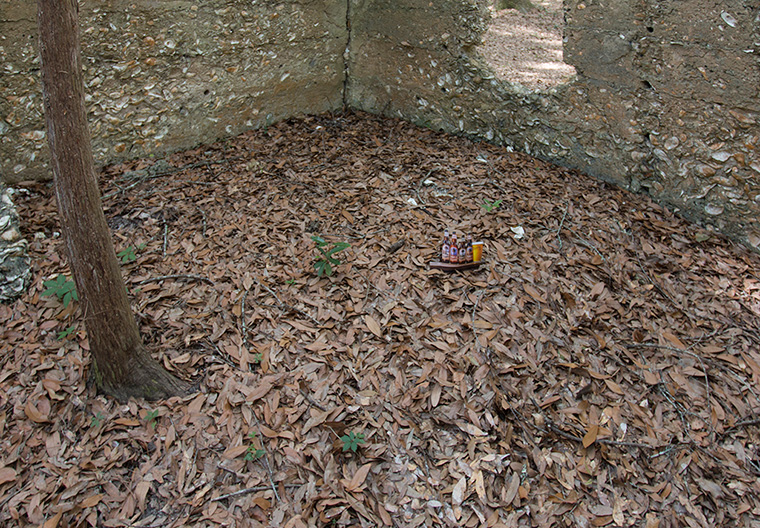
(282, 305)
(252, 489)
(242, 321)
(605, 441)
(189, 277)
(559, 229)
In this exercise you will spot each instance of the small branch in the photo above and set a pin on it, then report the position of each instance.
(605, 441)
(559, 229)
(659, 288)
(474, 309)
(396, 246)
(242, 321)
(266, 463)
(166, 238)
(188, 277)
(579, 440)
(309, 399)
(282, 305)
(203, 230)
(253, 489)
(582, 241)
(743, 423)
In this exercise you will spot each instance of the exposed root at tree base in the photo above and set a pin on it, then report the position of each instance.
(145, 379)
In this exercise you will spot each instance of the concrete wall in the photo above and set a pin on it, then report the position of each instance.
(665, 101)
(168, 75)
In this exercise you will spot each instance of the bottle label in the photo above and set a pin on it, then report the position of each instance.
(445, 253)
(454, 255)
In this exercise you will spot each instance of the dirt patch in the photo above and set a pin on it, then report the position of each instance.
(599, 368)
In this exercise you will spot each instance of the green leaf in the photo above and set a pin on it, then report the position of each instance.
(151, 417)
(63, 334)
(352, 441)
(62, 288)
(490, 206)
(127, 255)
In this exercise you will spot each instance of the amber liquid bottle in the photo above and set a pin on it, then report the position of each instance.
(469, 249)
(445, 247)
(454, 250)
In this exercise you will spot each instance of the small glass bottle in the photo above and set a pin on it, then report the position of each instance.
(445, 247)
(469, 249)
(454, 250)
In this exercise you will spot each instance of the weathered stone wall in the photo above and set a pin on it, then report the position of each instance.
(163, 76)
(665, 101)
(14, 258)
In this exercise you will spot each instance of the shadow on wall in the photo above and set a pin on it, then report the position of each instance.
(525, 46)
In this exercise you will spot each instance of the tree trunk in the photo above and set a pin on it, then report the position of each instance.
(122, 366)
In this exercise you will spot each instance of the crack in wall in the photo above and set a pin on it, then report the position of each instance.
(347, 55)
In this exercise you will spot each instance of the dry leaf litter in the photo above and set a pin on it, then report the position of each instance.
(599, 369)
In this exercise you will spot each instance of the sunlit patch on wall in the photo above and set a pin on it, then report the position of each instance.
(525, 45)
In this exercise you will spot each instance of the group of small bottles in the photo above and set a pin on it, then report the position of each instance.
(456, 251)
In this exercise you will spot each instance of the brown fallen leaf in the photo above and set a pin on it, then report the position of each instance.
(591, 435)
(92, 500)
(514, 485)
(53, 521)
(457, 493)
(37, 415)
(234, 452)
(373, 326)
(7, 474)
(357, 481)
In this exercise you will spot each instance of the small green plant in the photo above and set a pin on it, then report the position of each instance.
(490, 206)
(63, 334)
(97, 419)
(352, 441)
(290, 282)
(253, 453)
(62, 288)
(151, 418)
(326, 261)
(257, 358)
(130, 253)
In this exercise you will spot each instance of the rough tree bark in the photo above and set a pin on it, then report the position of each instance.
(122, 366)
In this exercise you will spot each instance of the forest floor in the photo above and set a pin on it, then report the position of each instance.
(600, 368)
(526, 48)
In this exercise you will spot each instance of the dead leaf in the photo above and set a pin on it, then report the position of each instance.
(471, 429)
(480, 488)
(673, 340)
(533, 292)
(458, 492)
(141, 493)
(514, 485)
(357, 481)
(373, 326)
(92, 500)
(234, 452)
(54, 520)
(7, 475)
(37, 415)
(590, 436)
